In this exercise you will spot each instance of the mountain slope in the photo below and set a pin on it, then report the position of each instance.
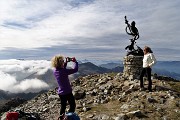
(109, 97)
(3, 95)
(165, 72)
(110, 65)
(163, 67)
(169, 65)
(90, 68)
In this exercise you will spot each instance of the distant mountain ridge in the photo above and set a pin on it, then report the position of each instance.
(89, 68)
(165, 68)
(111, 65)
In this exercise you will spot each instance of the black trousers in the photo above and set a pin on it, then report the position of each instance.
(146, 71)
(71, 100)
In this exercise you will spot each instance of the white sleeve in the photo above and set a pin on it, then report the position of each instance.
(153, 60)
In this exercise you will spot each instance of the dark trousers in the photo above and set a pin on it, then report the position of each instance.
(71, 101)
(146, 71)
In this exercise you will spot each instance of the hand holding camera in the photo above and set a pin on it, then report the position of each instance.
(73, 59)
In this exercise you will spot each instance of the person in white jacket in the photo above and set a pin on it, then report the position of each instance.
(148, 61)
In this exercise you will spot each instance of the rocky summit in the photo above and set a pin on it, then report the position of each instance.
(111, 97)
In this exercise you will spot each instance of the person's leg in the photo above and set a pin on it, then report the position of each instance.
(71, 101)
(148, 71)
(63, 105)
(141, 78)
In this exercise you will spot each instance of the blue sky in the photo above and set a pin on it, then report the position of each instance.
(87, 29)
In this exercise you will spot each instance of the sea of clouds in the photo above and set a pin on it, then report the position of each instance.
(17, 76)
(14, 75)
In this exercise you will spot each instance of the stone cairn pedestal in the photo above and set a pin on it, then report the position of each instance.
(132, 67)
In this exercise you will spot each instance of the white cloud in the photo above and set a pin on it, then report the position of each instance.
(7, 81)
(27, 75)
(20, 76)
(32, 85)
(87, 21)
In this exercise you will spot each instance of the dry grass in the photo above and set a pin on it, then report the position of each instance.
(175, 85)
(109, 108)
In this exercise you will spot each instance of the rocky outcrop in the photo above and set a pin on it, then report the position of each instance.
(110, 97)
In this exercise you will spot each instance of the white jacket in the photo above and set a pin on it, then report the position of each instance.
(149, 60)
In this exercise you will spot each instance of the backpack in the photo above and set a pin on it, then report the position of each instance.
(12, 116)
(20, 115)
(70, 116)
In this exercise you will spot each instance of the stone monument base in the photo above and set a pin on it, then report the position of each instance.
(132, 67)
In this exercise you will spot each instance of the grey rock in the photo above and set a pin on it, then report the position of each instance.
(137, 113)
(151, 100)
(90, 116)
(53, 97)
(122, 117)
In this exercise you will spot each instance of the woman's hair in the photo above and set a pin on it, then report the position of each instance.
(148, 49)
(57, 61)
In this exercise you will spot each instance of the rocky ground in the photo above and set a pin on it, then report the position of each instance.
(111, 97)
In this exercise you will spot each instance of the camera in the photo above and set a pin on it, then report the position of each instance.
(70, 59)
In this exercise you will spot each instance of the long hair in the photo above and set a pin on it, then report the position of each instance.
(148, 49)
(57, 61)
